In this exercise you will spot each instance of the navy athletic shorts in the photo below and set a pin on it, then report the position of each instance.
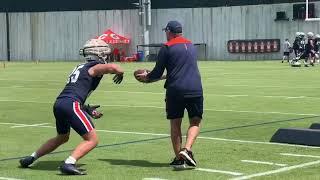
(175, 106)
(68, 113)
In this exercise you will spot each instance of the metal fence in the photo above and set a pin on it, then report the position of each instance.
(59, 35)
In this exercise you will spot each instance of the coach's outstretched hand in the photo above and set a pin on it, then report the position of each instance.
(118, 78)
(92, 111)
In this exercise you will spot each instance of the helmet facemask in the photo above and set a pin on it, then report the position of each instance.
(96, 49)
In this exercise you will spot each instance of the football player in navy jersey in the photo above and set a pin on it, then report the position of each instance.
(309, 49)
(296, 45)
(69, 109)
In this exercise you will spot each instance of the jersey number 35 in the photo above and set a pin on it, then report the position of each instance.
(73, 77)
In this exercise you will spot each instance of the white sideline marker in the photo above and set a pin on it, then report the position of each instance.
(299, 155)
(264, 162)
(7, 178)
(277, 170)
(219, 171)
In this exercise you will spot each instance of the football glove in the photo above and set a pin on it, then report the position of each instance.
(118, 78)
(92, 111)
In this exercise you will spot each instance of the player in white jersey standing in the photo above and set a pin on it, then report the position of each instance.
(286, 50)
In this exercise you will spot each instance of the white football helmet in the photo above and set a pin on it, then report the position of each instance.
(310, 35)
(96, 49)
(317, 36)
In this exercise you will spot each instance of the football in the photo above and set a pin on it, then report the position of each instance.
(140, 71)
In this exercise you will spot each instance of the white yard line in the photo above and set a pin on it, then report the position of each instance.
(264, 162)
(298, 97)
(284, 169)
(30, 80)
(131, 82)
(257, 142)
(231, 95)
(219, 171)
(31, 125)
(160, 107)
(27, 125)
(260, 112)
(262, 86)
(200, 137)
(136, 133)
(162, 93)
(7, 178)
(155, 178)
(299, 155)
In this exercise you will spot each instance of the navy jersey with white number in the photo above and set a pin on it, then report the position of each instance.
(80, 84)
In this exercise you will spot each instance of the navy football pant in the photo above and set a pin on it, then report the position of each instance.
(68, 113)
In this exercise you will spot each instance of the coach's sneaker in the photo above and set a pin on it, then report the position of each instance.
(188, 157)
(71, 169)
(178, 163)
(27, 161)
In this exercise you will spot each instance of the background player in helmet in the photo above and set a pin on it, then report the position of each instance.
(309, 50)
(295, 45)
(317, 47)
(298, 48)
(68, 108)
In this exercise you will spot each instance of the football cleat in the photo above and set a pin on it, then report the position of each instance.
(71, 169)
(27, 161)
(178, 163)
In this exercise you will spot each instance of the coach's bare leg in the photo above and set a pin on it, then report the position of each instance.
(176, 136)
(52, 144)
(193, 132)
(89, 143)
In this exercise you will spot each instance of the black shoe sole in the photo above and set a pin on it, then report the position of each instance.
(182, 166)
(73, 173)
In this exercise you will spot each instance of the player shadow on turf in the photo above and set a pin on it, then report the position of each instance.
(48, 165)
(138, 163)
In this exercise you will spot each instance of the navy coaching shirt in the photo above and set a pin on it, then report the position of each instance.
(178, 56)
(80, 84)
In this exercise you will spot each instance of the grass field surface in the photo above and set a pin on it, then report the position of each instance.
(245, 103)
